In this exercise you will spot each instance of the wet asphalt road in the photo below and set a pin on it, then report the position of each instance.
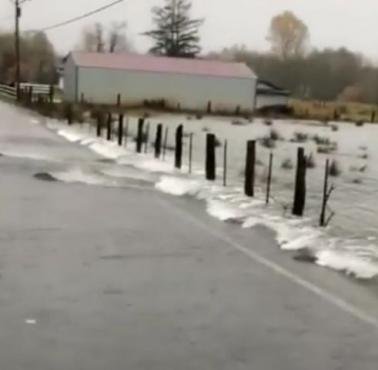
(95, 278)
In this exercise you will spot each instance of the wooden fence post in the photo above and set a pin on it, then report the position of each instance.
(120, 129)
(109, 127)
(99, 124)
(209, 107)
(126, 131)
(178, 147)
(30, 94)
(139, 142)
(225, 160)
(269, 181)
(69, 114)
(210, 157)
(191, 152)
(165, 142)
(249, 184)
(158, 140)
(51, 94)
(147, 138)
(300, 185)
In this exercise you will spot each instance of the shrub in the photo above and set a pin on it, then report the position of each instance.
(287, 164)
(218, 143)
(334, 169)
(324, 150)
(274, 135)
(335, 128)
(268, 122)
(310, 162)
(267, 142)
(259, 162)
(363, 168)
(321, 140)
(299, 137)
(237, 122)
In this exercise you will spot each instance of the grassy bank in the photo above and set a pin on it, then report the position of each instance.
(334, 111)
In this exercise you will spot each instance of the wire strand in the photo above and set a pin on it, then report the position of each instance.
(80, 17)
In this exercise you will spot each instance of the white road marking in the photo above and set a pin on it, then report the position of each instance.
(311, 287)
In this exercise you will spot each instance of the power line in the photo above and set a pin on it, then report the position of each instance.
(80, 17)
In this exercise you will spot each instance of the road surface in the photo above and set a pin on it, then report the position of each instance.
(95, 278)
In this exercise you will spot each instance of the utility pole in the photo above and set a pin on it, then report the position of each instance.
(17, 46)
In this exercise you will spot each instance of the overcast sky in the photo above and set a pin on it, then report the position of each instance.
(332, 23)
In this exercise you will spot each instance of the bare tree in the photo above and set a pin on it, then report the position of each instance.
(99, 38)
(93, 38)
(117, 37)
(288, 35)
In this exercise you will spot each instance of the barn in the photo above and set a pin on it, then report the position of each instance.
(190, 84)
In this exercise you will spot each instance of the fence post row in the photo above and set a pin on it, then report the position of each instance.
(120, 129)
(300, 184)
(178, 147)
(210, 157)
(158, 140)
(249, 184)
(139, 142)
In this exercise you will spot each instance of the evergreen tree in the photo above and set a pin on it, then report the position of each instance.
(176, 34)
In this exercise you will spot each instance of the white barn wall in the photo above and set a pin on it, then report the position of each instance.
(190, 91)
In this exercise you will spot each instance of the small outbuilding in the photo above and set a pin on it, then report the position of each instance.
(271, 97)
(176, 83)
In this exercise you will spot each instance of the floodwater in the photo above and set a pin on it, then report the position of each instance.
(354, 199)
(352, 232)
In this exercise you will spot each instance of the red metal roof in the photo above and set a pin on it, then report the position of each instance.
(150, 63)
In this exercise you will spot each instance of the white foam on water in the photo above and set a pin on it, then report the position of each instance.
(107, 149)
(347, 262)
(177, 186)
(152, 165)
(28, 155)
(71, 135)
(223, 211)
(77, 175)
(128, 173)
